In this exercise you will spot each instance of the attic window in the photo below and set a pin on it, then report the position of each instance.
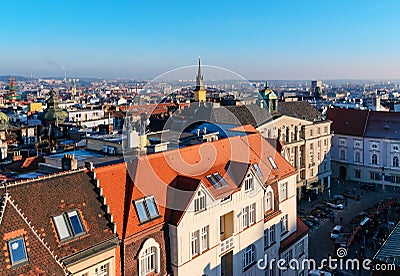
(271, 160)
(69, 225)
(146, 209)
(257, 168)
(17, 251)
(217, 181)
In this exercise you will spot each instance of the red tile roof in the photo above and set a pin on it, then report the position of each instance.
(42, 199)
(177, 174)
(348, 121)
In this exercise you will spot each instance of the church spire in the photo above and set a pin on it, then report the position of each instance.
(199, 78)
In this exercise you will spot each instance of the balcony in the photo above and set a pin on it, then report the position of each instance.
(227, 245)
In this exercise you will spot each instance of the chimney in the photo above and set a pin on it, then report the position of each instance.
(68, 162)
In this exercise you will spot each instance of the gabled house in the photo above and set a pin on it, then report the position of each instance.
(208, 209)
(54, 225)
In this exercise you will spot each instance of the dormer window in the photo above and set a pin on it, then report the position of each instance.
(69, 225)
(146, 209)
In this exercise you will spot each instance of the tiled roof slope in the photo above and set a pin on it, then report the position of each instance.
(41, 200)
(155, 175)
(300, 110)
(348, 121)
(41, 260)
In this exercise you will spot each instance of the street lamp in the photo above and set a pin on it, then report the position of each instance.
(383, 178)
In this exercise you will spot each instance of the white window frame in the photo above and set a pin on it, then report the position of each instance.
(102, 270)
(249, 183)
(249, 256)
(145, 254)
(284, 224)
(283, 191)
(269, 201)
(195, 243)
(205, 243)
(200, 201)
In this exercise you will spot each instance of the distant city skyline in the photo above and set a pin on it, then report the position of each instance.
(300, 40)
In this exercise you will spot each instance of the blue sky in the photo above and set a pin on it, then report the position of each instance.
(309, 39)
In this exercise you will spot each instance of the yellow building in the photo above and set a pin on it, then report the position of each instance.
(200, 93)
(35, 107)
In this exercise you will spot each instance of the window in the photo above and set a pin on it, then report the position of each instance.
(17, 250)
(284, 224)
(249, 256)
(200, 202)
(217, 181)
(395, 178)
(249, 215)
(342, 155)
(273, 164)
(102, 270)
(396, 148)
(358, 157)
(195, 244)
(204, 238)
(311, 146)
(148, 260)
(269, 236)
(374, 159)
(68, 225)
(311, 132)
(300, 248)
(374, 176)
(268, 201)
(326, 129)
(257, 168)
(374, 146)
(272, 234)
(249, 183)
(318, 131)
(284, 191)
(395, 161)
(287, 256)
(146, 209)
(357, 173)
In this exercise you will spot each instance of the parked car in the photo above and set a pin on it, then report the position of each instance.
(335, 206)
(336, 231)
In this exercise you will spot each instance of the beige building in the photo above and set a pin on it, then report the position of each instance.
(304, 139)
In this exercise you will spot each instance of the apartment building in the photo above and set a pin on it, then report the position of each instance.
(365, 146)
(303, 137)
(214, 213)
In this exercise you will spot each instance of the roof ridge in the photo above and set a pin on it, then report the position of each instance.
(3, 206)
(32, 228)
(57, 174)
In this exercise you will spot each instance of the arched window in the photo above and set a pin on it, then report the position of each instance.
(342, 155)
(358, 157)
(374, 159)
(249, 256)
(149, 258)
(395, 161)
(269, 201)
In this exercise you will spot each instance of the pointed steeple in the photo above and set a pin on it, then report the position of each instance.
(199, 78)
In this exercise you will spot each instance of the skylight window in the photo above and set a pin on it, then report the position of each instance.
(17, 251)
(271, 160)
(146, 209)
(221, 181)
(217, 181)
(257, 168)
(69, 225)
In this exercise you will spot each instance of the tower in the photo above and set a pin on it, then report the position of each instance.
(200, 93)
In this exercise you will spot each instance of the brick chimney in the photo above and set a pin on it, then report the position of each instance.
(68, 162)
